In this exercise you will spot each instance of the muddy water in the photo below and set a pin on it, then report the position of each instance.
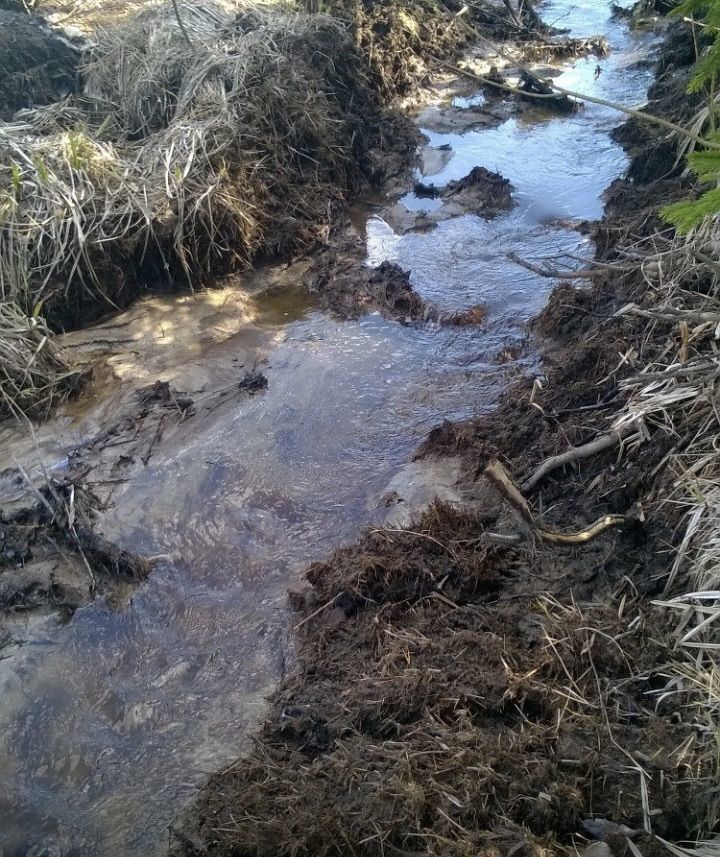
(109, 722)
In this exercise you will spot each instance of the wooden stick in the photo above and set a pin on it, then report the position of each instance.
(500, 478)
(579, 538)
(553, 273)
(621, 108)
(605, 441)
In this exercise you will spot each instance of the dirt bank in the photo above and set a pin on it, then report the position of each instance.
(37, 66)
(462, 689)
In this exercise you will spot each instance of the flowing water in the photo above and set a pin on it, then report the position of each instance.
(110, 721)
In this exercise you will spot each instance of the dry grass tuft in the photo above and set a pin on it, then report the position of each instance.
(34, 375)
(181, 159)
(674, 390)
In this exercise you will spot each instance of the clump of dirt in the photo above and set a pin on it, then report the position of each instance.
(346, 286)
(466, 318)
(447, 704)
(51, 557)
(482, 192)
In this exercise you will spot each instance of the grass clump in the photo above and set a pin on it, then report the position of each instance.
(34, 374)
(182, 160)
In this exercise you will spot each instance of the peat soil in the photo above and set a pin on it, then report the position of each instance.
(458, 696)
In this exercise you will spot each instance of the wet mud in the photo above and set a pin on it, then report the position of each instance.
(481, 192)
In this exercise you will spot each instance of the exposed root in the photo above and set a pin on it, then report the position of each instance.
(529, 526)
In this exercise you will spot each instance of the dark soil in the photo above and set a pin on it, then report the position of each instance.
(36, 66)
(52, 558)
(454, 697)
(348, 288)
(482, 192)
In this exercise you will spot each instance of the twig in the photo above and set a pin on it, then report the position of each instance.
(553, 273)
(497, 474)
(606, 441)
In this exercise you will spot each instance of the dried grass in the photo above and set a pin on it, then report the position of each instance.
(677, 391)
(427, 718)
(181, 160)
(34, 374)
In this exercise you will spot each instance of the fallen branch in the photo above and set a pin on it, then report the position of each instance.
(580, 96)
(497, 474)
(553, 273)
(600, 444)
(671, 314)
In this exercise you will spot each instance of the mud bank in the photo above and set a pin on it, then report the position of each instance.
(457, 696)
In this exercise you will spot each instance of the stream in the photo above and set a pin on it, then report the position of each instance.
(111, 720)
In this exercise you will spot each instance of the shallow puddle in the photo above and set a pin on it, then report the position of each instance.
(109, 722)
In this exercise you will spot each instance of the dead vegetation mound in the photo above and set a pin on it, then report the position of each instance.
(446, 703)
(346, 286)
(179, 160)
(34, 373)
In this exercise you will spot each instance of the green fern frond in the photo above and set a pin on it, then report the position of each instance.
(705, 164)
(689, 214)
(706, 68)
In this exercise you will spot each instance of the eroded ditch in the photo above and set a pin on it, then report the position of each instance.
(112, 719)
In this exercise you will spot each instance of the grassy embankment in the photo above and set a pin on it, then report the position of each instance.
(199, 139)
